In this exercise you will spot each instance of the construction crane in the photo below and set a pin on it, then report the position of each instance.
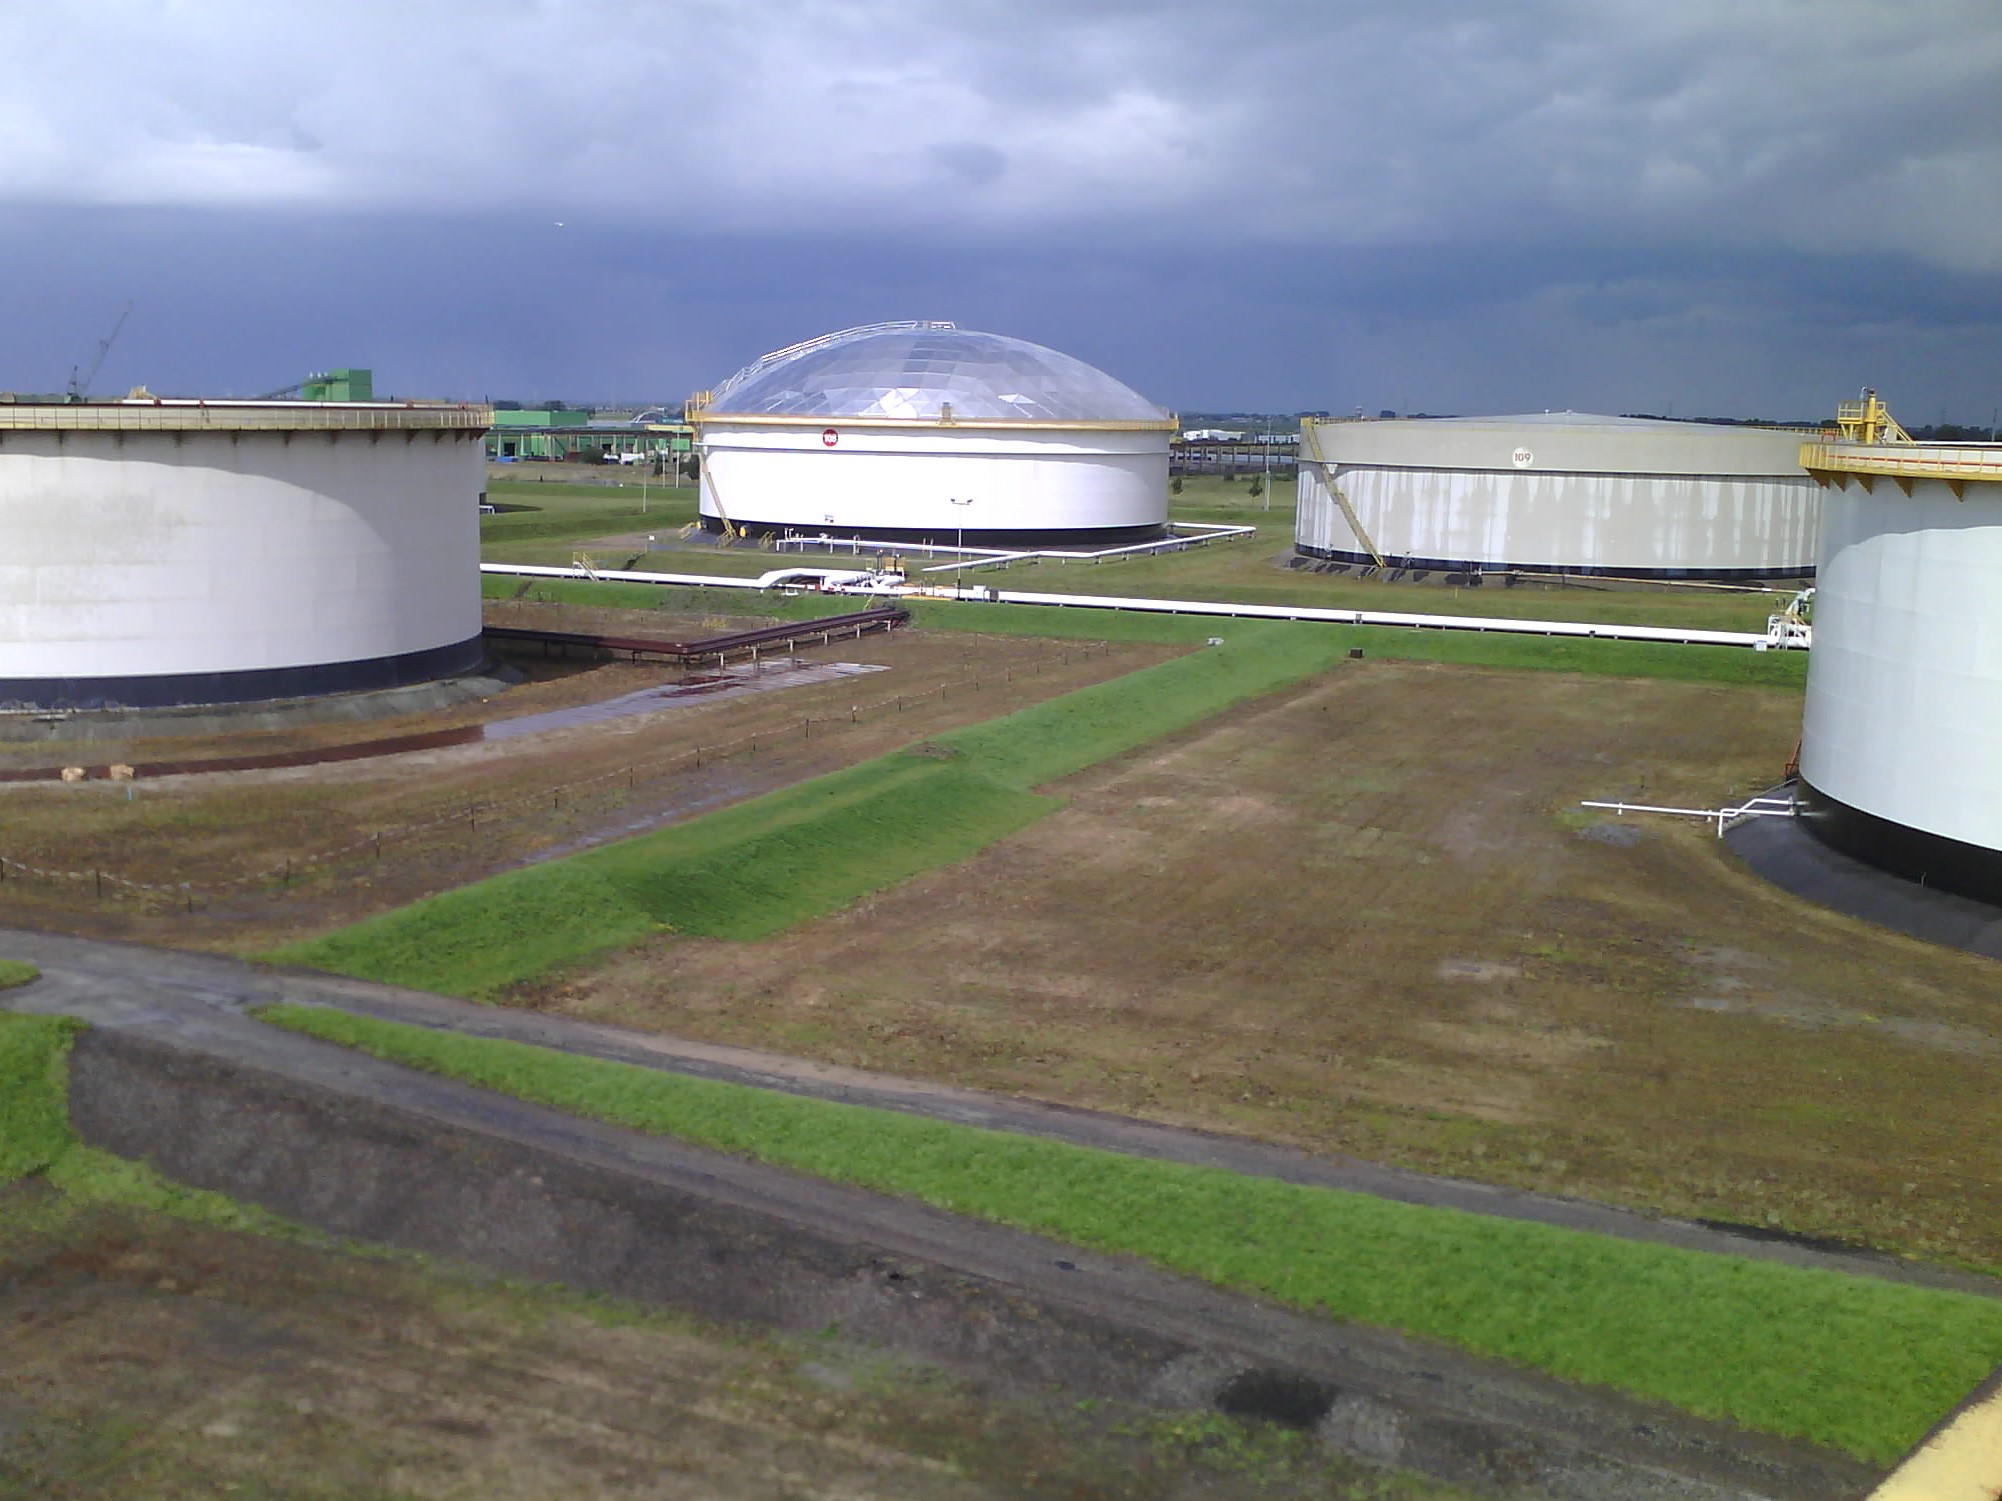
(80, 382)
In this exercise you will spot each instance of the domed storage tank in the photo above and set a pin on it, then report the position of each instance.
(158, 553)
(1901, 744)
(925, 431)
(1558, 492)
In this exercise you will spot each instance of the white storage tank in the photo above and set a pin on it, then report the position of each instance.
(922, 431)
(162, 553)
(1558, 492)
(1901, 747)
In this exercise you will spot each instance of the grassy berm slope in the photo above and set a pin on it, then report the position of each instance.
(1849, 1362)
(766, 864)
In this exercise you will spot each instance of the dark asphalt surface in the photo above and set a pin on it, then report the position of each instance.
(1609, 1445)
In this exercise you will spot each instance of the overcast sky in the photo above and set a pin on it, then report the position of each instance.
(1739, 207)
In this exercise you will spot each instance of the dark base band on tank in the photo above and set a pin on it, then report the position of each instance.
(1103, 536)
(1553, 570)
(176, 690)
(1787, 852)
(1968, 870)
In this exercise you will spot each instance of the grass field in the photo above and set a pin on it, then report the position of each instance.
(1250, 570)
(765, 865)
(1639, 659)
(1366, 916)
(1853, 1363)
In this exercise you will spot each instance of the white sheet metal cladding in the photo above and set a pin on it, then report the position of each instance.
(934, 480)
(1904, 686)
(1563, 491)
(907, 430)
(136, 551)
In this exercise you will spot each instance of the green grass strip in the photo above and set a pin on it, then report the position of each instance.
(757, 868)
(1064, 735)
(34, 1091)
(1848, 1362)
(36, 1137)
(1587, 655)
(743, 872)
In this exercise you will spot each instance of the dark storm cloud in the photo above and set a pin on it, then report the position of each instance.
(1597, 203)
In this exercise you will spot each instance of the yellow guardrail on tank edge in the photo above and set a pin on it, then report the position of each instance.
(1961, 1460)
(1947, 461)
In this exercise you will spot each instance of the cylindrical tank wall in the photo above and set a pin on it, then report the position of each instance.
(1901, 747)
(1569, 492)
(928, 481)
(180, 567)
(1639, 525)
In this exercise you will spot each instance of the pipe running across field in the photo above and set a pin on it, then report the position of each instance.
(1586, 630)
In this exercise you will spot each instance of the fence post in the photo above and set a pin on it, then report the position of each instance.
(98, 875)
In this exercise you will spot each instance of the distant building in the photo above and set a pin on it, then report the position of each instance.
(565, 435)
(339, 385)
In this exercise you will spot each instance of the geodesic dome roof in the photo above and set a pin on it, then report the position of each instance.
(913, 370)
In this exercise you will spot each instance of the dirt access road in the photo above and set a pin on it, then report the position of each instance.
(1367, 917)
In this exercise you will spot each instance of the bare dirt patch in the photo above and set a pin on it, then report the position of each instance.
(1358, 917)
(140, 1356)
(270, 855)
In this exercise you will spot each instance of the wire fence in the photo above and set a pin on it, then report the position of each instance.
(293, 869)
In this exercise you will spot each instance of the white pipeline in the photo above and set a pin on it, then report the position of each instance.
(1758, 807)
(848, 581)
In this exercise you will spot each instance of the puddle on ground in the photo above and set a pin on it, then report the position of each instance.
(731, 682)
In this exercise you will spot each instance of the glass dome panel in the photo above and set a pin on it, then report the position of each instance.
(912, 371)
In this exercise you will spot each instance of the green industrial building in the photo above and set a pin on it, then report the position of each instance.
(558, 435)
